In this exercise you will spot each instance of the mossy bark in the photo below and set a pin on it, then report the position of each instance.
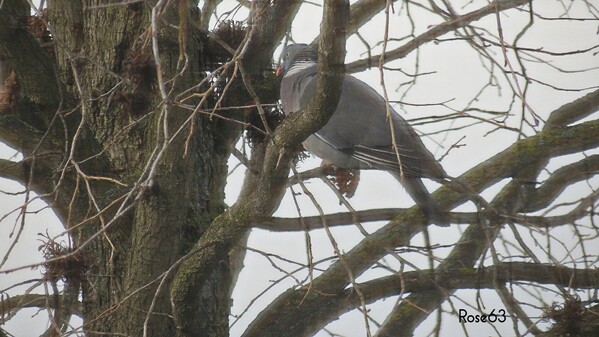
(104, 62)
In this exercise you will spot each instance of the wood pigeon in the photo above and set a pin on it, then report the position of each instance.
(358, 134)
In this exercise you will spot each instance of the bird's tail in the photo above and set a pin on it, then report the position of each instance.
(423, 199)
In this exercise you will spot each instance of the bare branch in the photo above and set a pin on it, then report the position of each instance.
(361, 12)
(13, 304)
(13, 171)
(13, 129)
(261, 199)
(522, 154)
(348, 218)
(207, 11)
(559, 180)
(463, 278)
(270, 23)
(435, 32)
(574, 111)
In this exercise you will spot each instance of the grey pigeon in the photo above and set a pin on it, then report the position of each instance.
(358, 135)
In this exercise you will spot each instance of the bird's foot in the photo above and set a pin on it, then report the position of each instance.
(346, 180)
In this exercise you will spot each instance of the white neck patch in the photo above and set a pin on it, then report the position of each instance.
(298, 67)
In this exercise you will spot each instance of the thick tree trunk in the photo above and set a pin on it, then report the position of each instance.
(105, 60)
(136, 179)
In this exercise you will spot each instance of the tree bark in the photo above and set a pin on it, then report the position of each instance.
(135, 178)
(130, 209)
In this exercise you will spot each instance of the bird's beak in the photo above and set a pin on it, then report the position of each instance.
(280, 70)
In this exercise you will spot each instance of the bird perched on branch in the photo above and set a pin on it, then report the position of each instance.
(359, 135)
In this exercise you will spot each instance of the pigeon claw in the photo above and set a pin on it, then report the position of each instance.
(345, 180)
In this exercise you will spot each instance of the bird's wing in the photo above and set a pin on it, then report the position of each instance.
(360, 128)
(358, 134)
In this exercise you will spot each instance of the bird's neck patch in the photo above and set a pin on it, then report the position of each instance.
(299, 66)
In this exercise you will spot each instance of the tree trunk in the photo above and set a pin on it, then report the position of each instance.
(179, 192)
(99, 106)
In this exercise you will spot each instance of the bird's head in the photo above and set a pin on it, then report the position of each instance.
(294, 54)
